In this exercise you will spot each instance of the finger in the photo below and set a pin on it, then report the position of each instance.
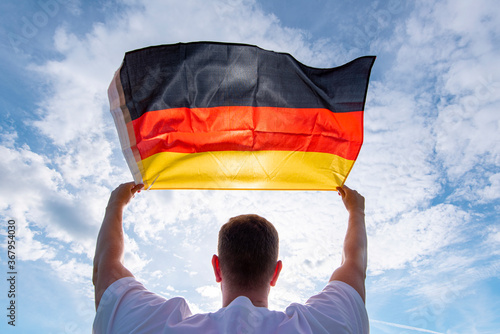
(341, 191)
(127, 185)
(137, 188)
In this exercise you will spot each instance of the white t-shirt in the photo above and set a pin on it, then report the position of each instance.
(128, 307)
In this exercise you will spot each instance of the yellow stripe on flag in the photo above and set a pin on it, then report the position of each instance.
(267, 170)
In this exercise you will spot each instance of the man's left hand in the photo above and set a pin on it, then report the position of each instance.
(122, 195)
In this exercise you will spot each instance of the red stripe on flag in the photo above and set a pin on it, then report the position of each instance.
(196, 130)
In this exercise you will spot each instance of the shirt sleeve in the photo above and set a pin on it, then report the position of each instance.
(338, 306)
(127, 307)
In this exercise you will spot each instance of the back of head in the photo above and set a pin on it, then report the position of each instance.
(248, 251)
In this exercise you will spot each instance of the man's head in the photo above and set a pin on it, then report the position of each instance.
(248, 252)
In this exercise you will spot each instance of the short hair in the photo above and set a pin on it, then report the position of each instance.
(248, 251)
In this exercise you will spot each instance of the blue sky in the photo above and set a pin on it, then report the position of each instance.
(429, 166)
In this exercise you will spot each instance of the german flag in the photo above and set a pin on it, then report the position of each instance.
(210, 115)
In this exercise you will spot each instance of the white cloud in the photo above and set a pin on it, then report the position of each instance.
(209, 291)
(414, 236)
(86, 159)
(133, 258)
(53, 225)
(493, 238)
(492, 190)
(396, 167)
(72, 271)
(448, 48)
(26, 180)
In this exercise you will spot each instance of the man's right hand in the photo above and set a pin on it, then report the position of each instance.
(354, 260)
(353, 201)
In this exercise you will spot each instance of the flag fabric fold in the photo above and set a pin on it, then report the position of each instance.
(210, 115)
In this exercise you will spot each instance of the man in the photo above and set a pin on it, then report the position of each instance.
(247, 266)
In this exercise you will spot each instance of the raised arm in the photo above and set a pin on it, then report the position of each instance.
(354, 257)
(108, 257)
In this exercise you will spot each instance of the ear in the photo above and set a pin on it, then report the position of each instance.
(277, 270)
(217, 272)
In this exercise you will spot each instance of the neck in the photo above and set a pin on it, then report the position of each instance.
(257, 296)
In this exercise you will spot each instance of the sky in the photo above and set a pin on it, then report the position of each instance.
(429, 167)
